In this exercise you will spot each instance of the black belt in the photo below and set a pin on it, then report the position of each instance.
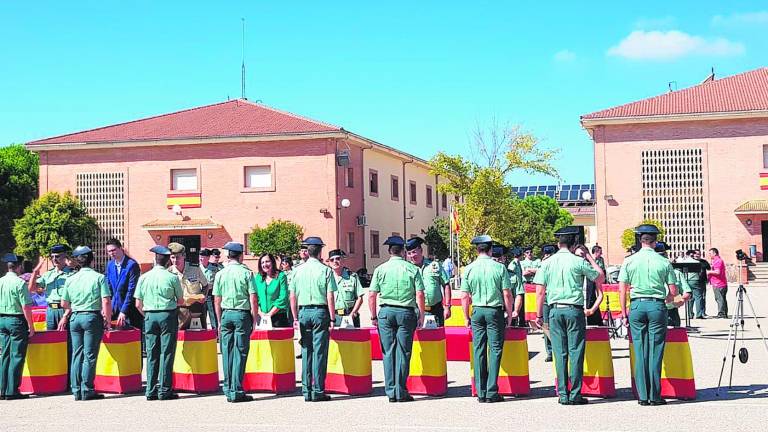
(434, 306)
(565, 306)
(313, 307)
(54, 305)
(12, 315)
(490, 307)
(653, 299)
(397, 306)
(88, 312)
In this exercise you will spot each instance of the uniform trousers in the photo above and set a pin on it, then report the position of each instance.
(488, 346)
(236, 327)
(85, 330)
(648, 324)
(14, 339)
(568, 329)
(160, 331)
(314, 323)
(396, 328)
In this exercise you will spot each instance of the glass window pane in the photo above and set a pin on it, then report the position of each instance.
(258, 176)
(184, 179)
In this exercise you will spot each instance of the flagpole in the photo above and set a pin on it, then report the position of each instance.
(450, 244)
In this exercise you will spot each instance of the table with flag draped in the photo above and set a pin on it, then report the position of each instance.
(196, 365)
(118, 368)
(513, 373)
(376, 353)
(349, 362)
(457, 318)
(457, 343)
(45, 367)
(611, 300)
(271, 363)
(429, 373)
(598, 379)
(677, 380)
(38, 318)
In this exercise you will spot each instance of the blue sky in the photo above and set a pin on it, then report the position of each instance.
(413, 75)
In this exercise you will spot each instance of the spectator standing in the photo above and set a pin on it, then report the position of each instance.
(719, 282)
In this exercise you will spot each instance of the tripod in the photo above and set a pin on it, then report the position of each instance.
(737, 324)
(613, 329)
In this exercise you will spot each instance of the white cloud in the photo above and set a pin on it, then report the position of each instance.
(670, 45)
(738, 19)
(656, 23)
(565, 56)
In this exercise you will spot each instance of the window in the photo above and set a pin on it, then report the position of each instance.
(258, 177)
(412, 191)
(375, 244)
(351, 243)
(246, 250)
(184, 179)
(373, 180)
(103, 194)
(395, 188)
(444, 201)
(429, 196)
(350, 177)
(765, 155)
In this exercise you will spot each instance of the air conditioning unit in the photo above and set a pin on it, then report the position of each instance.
(342, 158)
(362, 220)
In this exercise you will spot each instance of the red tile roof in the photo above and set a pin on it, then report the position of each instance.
(747, 91)
(233, 118)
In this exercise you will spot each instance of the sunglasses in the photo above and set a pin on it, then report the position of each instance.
(334, 259)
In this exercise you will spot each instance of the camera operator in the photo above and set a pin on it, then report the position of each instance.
(719, 282)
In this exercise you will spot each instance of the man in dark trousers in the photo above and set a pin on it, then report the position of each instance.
(123, 275)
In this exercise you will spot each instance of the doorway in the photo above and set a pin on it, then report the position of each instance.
(764, 231)
(191, 244)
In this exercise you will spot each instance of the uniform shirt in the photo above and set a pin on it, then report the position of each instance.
(397, 281)
(486, 279)
(210, 273)
(85, 289)
(272, 294)
(311, 283)
(683, 284)
(434, 278)
(648, 273)
(563, 276)
(350, 289)
(234, 284)
(192, 279)
(529, 264)
(14, 294)
(53, 282)
(516, 278)
(159, 290)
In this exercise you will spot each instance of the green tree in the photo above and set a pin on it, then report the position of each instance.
(53, 219)
(437, 238)
(18, 177)
(485, 201)
(279, 237)
(628, 236)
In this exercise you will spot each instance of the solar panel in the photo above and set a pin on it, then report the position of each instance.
(565, 187)
(551, 188)
(551, 194)
(521, 188)
(521, 195)
(573, 195)
(563, 195)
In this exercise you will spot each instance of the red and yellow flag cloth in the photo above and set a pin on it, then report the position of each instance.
(376, 353)
(429, 372)
(349, 362)
(457, 341)
(610, 301)
(118, 368)
(196, 365)
(529, 303)
(457, 318)
(676, 367)
(455, 221)
(513, 374)
(45, 368)
(598, 365)
(38, 318)
(763, 181)
(271, 363)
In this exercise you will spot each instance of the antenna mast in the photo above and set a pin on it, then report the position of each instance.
(242, 78)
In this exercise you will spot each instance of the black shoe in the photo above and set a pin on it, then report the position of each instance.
(94, 396)
(494, 399)
(78, 397)
(169, 396)
(580, 401)
(658, 402)
(482, 400)
(307, 398)
(392, 400)
(2, 397)
(321, 398)
(17, 397)
(563, 401)
(549, 358)
(406, 398)
(643, 403)
(298, 356)
(246, 398)
(152, 397)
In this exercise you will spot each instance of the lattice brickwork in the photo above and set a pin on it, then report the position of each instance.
(103, 194)
(673, 193)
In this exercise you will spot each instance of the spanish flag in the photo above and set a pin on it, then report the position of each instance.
(513, 374)
(184, 200)
(457, 343)
(118, 368)
(349, 362)
(457, 314)
(530, 307)
(763, 181)
(676, 367)
(376, 353)
(38, 318)
(271, 364)
(196, 365)
(455, 221)
(611, 300)
(598, 365)
(45, 368)
(429, 373)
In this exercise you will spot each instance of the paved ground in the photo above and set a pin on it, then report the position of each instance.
(743, 408)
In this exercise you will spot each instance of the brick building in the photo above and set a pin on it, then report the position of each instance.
(696, 159)
(233, 165)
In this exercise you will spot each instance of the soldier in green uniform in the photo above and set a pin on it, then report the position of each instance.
(158, 295)
(517, 279)
(560, 280)
(652, 282)
(499, 253)
(88, 297)
(529, 265)
(16, 328)
(437, 291)
(52, 282)
(399, 285)
(488, 287)
(312, 300)
(673, 308)
(236, 304)
(193, 283)
(546, 252)
(349, 297)
(209, 271)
